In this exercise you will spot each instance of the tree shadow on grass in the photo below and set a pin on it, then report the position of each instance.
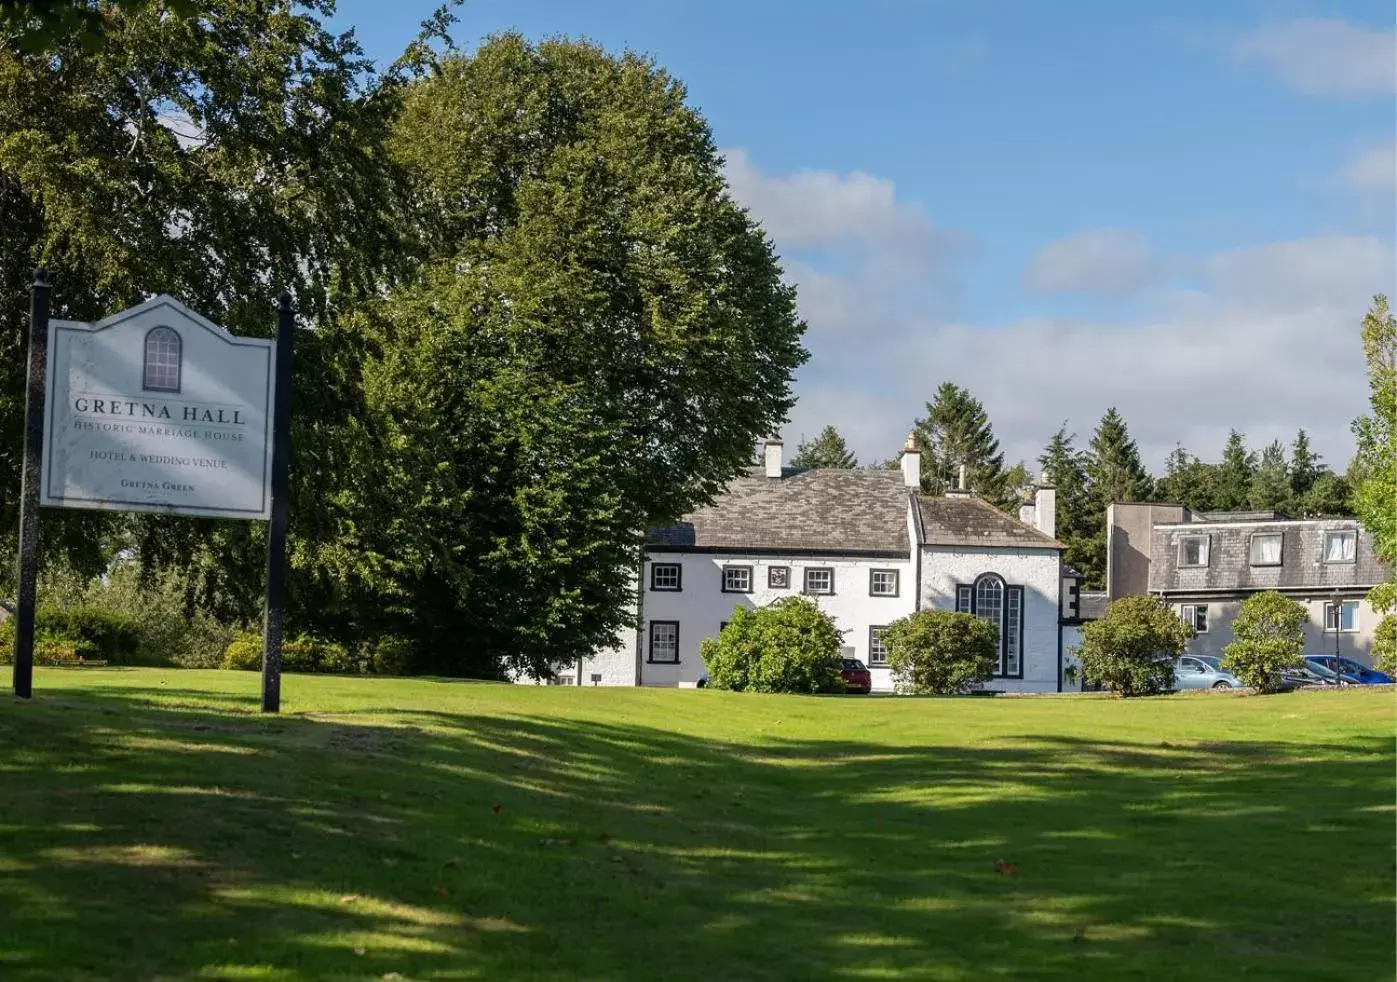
(143, 841)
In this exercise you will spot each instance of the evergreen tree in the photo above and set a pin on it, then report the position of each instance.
(957, 431)
(1305, 468)
(826, 450)
(1235, 474)
(1329, 496)
(1270, 484)
(1114, 471)
(1187, 481)
(1065, 467)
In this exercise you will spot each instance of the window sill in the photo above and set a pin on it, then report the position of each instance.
(1265, 565)
(666, 589)
(1192, 566)
(740, 593)
(1338, 562)
(817, 593)
(651, 661)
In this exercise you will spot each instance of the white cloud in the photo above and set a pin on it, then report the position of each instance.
(1264, 339)
(1325, 57)
(819, 209)
(1372, 174)
(1098, 260)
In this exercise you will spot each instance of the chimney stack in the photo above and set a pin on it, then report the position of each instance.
(911, 463)
(1045, 507)
(771, 452)
(960, 483)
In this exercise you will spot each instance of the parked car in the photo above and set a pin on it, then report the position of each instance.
(1203, 672)
(1352, 671)
(857, 678)
(1306, 677)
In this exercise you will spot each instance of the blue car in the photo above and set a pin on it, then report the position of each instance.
(1203, 672)
(1353, 672)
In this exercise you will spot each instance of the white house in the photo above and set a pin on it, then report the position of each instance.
(870, 548)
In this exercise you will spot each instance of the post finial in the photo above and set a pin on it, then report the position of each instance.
(41, 276)
(911, 443)
(283, 300)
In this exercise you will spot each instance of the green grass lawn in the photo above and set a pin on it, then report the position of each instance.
(154, 826)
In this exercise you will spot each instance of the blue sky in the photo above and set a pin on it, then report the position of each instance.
(1179, 209)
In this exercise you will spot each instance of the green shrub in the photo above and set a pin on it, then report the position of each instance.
(1270, 637)
(96, 633)
(390, 656)
(935, 652)
(1383, 599)
(56, 651)
(1132, 649)
(244, 653)
(790, 646)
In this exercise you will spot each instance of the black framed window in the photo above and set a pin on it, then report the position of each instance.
(737, 579)
(991, 599)
(877, 650)
(666, 577)
(778, 577)
(664, 642)
(883, 583)
(819, 579)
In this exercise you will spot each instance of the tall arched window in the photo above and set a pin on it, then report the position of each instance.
(164, 353)
(989, 598)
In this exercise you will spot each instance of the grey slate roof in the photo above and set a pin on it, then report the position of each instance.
(1229, 561)
(804, 511)
(968, 521)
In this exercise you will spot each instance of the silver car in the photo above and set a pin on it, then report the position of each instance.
(1203, 672)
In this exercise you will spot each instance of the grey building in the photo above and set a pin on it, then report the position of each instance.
(1204, 564)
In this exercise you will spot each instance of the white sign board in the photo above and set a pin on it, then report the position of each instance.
(157, 409)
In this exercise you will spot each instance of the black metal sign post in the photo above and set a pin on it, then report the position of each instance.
(29, 484)
(274, 614)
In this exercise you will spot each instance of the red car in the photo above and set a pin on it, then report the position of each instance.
(857, 678)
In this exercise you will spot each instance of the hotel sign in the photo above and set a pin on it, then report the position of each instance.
(156, 409)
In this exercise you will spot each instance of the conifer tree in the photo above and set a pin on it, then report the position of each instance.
(1235, 474)
(957, 431)
(1065, 467)
(826, 450)
(1270, 484)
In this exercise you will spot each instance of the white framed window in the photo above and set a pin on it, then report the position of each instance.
(1195, 616)
(664, 642)
(877, 650)
(666, 577)
(882, 583)
(1266, 548)
(1341, 546)
(778, 577)
(1347, 613)
(1193, 550)
(819, 580)
(163, 358)
(737, 579)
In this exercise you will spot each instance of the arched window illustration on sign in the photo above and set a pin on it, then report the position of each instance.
(164, 352)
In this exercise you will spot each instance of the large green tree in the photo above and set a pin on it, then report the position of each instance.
(1271, 482)
(218, 158)
(1375, 496)
(1234, 474)
(1114, 473)
(1077, 526)
(597, 338)
(1187, 481)
(1305, 469)
(826, 450)
(956, 431)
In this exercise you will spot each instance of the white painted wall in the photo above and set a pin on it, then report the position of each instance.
(701, 606)
(1036, 570)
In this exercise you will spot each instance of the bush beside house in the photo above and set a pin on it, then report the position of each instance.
(1383, 599)
(1132, 650)
(935, 652)
(789, 646)
(1270, 638)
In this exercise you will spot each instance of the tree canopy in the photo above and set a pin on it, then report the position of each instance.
(826, 450)
(957, 431)
(1375, 496)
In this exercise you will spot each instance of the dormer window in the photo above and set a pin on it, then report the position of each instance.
(1193, 550)
(1266, 548)
(1341, 546)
